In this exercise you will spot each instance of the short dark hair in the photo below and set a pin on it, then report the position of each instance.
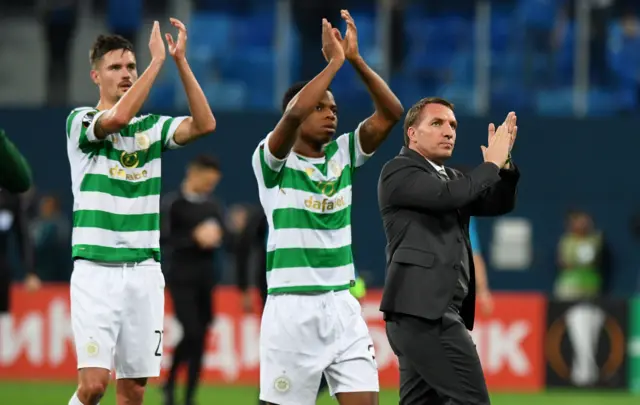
(292, 91)
(107, 43)
(205, 162)
(415, 113)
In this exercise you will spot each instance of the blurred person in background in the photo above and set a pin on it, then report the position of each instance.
(51, 232)
(15, 177)
(14, 223)
(59, 19)
(251, 257)
(15, 172)
(117, 286)
(483, 293)
(583, 259)
(192, 230)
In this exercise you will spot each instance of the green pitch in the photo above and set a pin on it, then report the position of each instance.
(40, 393)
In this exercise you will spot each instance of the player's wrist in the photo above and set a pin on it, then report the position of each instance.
(157, 61)
(180, 59)
(336, 62)
(356, 60)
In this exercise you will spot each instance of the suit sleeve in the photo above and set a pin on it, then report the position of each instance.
(15, 173)
(405, 184)
(500, 199)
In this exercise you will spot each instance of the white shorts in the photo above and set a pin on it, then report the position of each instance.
(303, 336)
(117, 316)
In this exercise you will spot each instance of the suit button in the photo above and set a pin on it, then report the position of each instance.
(460, 238)
(485, 185)
(456, 267)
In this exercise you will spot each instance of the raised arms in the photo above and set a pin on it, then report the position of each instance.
(201, 121)
(117, 117)
(284, 135)
(388, 109)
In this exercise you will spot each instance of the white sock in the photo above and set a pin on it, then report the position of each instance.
(75, 401)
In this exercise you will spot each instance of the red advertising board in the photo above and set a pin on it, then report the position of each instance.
(36, 340)
(510, 342)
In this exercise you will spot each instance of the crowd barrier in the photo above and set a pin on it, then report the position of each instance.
(527, 343)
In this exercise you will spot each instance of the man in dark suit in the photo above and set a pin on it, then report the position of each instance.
(429, 294)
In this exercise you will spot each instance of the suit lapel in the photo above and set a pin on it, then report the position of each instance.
(413, 155)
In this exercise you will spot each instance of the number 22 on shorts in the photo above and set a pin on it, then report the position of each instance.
(159, 347)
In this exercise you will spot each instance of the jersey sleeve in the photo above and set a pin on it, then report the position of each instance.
(349, 143)
(357, 156)
(81, 125)
(167, 131)
(266, 167)
(473, 235)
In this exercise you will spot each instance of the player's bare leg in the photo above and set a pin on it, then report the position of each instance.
(357, 398)
(130, 391)
(92, 384)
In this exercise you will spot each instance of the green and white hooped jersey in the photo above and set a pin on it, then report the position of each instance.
(116, 186)
(307, 202)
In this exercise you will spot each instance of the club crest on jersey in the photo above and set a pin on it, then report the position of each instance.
(334, 168)
(129, 160)
(309, 171)
(142, 140)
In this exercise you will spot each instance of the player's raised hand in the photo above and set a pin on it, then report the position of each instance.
(350, 42)
(156, 44)
(177, 49)
(332, 49)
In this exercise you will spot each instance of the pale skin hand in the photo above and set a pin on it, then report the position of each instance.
(513, 131)
(156, 44)
(177, 49)
(202, 120)
(208, 235)
(501, 141)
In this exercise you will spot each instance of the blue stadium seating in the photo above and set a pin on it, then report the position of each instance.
(232, 50)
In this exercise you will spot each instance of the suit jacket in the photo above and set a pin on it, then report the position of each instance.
(426, 221)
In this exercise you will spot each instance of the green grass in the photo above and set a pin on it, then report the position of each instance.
(45, 393)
